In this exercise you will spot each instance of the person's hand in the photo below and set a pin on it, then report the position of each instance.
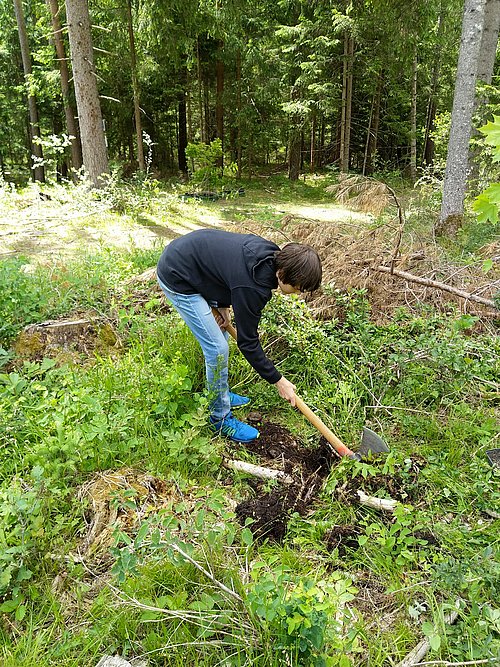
(286, 390)
(222, 317)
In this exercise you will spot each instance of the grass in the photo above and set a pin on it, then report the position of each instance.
(142, 408)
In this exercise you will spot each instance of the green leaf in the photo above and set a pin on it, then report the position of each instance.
(435, 642)
(20, 612)
(247, 537)
(487, 265)
(492, 132)
(8, 606)
(486, 211)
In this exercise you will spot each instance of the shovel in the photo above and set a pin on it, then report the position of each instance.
(370, 441)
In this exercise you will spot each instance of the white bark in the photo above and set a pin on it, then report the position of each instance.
(257, 471)
(94, 149)
(457, 163)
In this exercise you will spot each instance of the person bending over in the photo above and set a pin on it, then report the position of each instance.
(210, 268)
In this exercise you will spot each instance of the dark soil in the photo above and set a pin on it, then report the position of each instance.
(278, 448)
(342, 538)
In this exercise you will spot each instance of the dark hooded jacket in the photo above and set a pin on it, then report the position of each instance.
(228, 269)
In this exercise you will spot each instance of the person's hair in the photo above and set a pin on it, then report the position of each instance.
(299, 265)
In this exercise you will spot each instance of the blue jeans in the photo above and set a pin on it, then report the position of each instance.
(197, 314)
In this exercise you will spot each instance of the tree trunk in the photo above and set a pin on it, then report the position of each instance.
(189, 109)
(135, 89)
(183, 135)
(69, 112)
(294, 150)
(347, 84)
(206, 111)
(343, 111)
(94, 149)
(413, 119)
(219, 105)
(428, 156)
(372, 135)
(489, 41)
(457, 163)
(311, 146)
(486, 63)
(34, 133)
(238, 110)
(203, 138)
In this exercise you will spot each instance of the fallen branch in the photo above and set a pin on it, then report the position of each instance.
(210, 576)
(384, 504)
(468, 296)
(422, 648)
(258, 471)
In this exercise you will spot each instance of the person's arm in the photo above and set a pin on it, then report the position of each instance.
(247, 307)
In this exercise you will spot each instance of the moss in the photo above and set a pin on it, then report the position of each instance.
(29, 345)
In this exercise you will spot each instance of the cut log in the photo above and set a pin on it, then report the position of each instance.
(383, 504)
(258, 471)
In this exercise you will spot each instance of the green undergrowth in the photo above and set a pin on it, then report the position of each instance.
(181, 581)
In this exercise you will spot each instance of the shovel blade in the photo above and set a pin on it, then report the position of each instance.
(371, 442)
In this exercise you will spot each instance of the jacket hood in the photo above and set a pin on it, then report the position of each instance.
(258, 255)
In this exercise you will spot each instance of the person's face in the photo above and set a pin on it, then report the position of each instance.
(288, 289)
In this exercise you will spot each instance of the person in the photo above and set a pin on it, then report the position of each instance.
(210, 268)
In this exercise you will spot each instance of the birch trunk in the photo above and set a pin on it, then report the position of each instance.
(311, 147)
(348, 115)
(34, 128)
(238, 110)
(489, 41)
(343, 111)
(457, 162)
(347, 84)
(200, 93)
(94, 149)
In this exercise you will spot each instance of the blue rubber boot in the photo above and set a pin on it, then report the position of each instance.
(237, 401)
(233, 429)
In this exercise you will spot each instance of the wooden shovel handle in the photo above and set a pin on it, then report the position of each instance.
(336, 443)
(330, 436)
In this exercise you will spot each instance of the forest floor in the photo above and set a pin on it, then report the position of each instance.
(127, 530)
(53, 222)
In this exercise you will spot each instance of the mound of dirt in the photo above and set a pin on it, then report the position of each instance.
(278, 448)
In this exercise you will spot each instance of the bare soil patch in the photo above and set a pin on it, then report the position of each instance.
(278, 448)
